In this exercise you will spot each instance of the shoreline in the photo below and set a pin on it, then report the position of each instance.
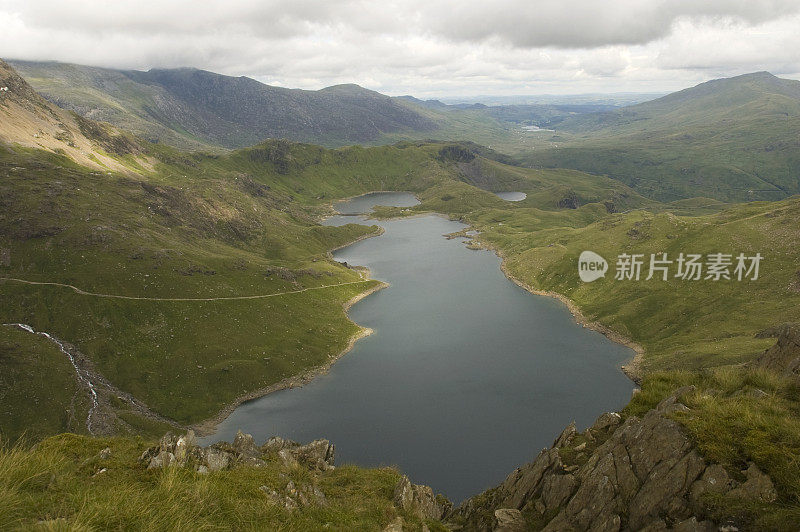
(208, 427)
(632, 369)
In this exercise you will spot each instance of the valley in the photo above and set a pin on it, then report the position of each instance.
(188, 282)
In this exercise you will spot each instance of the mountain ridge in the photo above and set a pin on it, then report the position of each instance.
(195, 108)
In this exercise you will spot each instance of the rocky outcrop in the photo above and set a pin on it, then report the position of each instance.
(184, 451)
(784, 356)
(637, 474)
(419, 500)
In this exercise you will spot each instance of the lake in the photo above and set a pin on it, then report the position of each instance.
(466, 376)
(511, 196)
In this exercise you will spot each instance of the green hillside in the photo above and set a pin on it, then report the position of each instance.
(731, 139)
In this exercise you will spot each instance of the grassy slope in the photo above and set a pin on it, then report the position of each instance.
(57, 486)
(173, 237)
(38, 389)
(682, 325)
(732, 139)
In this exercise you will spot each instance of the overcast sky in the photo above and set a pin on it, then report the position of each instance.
(427, 48)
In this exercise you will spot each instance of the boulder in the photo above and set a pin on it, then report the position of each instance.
(162, 460)
(566, 436)
(417, 500)
(784, 356)
(216, 459)
(714, 480)
(245, 446)
(509, 520)
(758, 486)
(605, 421)
(319, 454)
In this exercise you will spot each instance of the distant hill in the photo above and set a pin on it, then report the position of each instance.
(193, 108)
(731, 139)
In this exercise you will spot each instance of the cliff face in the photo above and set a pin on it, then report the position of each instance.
(637, 474)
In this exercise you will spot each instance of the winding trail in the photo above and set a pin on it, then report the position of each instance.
(137, 298)
(82, 376)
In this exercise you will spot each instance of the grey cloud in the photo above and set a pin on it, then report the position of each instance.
(590, 23)
(424, 47)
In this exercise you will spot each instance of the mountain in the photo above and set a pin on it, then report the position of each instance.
(30, 121)
(733, 139)
(193, 108)
(183, 283)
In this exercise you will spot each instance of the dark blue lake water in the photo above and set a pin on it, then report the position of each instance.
(466, 375)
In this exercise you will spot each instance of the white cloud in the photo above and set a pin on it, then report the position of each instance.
(422, 47)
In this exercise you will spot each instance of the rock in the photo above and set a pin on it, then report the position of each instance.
(183, 446)
(751, 392)
(692, 525)
(251, 462)
(105, 454)
(277, 443)
(216, 459)
(395, 526)
(714, 480)
(318, 454)
(416, 499)
(609, 419)
(566, 436)
(273, 497)
(201, 469)
(784, 356)
(509, 520)
(655, 526)
(758, 486)
(287, 457)
(245, 446)
(557, 489)
(646, 475)
(161, 460)
(580, 447)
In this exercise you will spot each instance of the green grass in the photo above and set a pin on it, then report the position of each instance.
(57, 486)
(39, 392)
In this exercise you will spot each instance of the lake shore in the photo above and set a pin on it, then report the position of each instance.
(632, 369)
(209, 426)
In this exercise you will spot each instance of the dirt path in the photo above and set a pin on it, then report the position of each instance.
(135, 298)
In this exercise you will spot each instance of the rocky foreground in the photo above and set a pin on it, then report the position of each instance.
(317, 456)
(640, 474)
(621, 474)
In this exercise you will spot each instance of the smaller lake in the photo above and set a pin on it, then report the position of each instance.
(364, 204)
(511, 196)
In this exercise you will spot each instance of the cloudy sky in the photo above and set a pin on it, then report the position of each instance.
(429, 48)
